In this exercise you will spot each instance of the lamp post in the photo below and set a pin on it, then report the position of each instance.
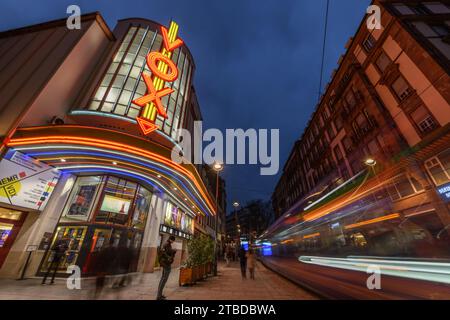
(236, 205)
(218, 167)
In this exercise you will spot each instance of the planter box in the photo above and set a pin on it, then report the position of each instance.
(210, 268)
(186, 276)
(195, 273)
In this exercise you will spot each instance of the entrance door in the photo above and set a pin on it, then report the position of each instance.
(10, 223)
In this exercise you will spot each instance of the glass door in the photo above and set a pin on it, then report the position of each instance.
(10, 224)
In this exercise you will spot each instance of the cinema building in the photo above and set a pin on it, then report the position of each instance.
(83, 160)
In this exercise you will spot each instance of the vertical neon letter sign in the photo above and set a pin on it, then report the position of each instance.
(164, 70)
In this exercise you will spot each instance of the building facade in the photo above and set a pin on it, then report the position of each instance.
(88, 121)
(386, 109)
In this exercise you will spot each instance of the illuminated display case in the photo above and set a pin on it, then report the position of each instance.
(177, 222)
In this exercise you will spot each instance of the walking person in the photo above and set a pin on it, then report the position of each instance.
(227, 256)
(243, 262)
(166, 256)
(59, 251)
(251, 262)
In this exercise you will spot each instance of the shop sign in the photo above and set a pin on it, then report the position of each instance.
(175, 232)
(444, 192)
(25, 181)
(163, 70)
(178, 219)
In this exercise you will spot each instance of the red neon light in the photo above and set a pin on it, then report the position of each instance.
(153, 96)
(164, 70)
(153, 58)
(114, 146)
(170, 46)
(146, 126)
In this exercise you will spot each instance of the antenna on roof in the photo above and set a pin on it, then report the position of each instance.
(323, 50)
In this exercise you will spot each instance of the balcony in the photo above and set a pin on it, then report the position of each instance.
(362, 132)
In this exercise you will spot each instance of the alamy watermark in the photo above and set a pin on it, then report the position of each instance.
(374, 280)
(236, 146)
(74, 20)
(373, 21)
(74, 280)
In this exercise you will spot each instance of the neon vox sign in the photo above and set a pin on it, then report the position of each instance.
(163, 70)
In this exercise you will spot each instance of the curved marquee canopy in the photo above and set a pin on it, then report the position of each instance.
(96, 150)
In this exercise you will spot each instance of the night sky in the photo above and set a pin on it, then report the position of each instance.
(258, 61)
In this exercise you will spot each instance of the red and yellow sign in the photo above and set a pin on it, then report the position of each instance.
(163, 70)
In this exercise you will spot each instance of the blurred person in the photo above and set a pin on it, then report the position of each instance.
(103, 268)
(59, 251)
(243, 262)
(227, 255)
(251, 262)
(166, 256)
(123, 265)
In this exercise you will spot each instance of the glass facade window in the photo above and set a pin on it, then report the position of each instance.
(403, 186)
(116, 203)
(401, 88)
(81, 199)
(423, 119)
(178, 219)
(383, 61)
(141, 208)
(9, 214)
(5, 231)
(439, 168)
(123, 83)
(369, 43)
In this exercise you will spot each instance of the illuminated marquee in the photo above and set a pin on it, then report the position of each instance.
(163, 70)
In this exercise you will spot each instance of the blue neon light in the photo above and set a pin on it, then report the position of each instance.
(50, 153)
(112, 171)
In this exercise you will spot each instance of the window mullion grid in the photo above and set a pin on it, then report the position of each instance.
(140, 73)
(179, 93)
(117, 69)
(131, 68)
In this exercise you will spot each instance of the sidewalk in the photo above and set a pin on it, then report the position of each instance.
(226, 286)
(229, 285)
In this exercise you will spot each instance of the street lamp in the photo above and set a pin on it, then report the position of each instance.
(236, 205)
(218, 167)
(370, 162)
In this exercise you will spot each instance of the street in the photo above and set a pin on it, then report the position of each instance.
(228, 285)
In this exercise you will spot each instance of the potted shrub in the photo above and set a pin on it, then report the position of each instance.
(189, 270)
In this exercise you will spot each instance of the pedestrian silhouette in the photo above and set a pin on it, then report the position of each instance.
(59, 251)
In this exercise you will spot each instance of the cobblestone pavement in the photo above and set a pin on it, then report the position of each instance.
(226, 286)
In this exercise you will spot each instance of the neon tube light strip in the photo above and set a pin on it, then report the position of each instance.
(37, 155)
(375, 220)
(116, 116)
(87, 168)
(111, 145)
(117, 155)
(421, 270)
(333, 191)
(104, 153)
(102, 157)
(107, 152)
(58, 165)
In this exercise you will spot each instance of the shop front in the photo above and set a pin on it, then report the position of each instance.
(103, 214)
(179, 224)
(11, 222)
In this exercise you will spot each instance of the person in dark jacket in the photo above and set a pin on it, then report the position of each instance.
(243, 262)
(59, 251)
(166, 256)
